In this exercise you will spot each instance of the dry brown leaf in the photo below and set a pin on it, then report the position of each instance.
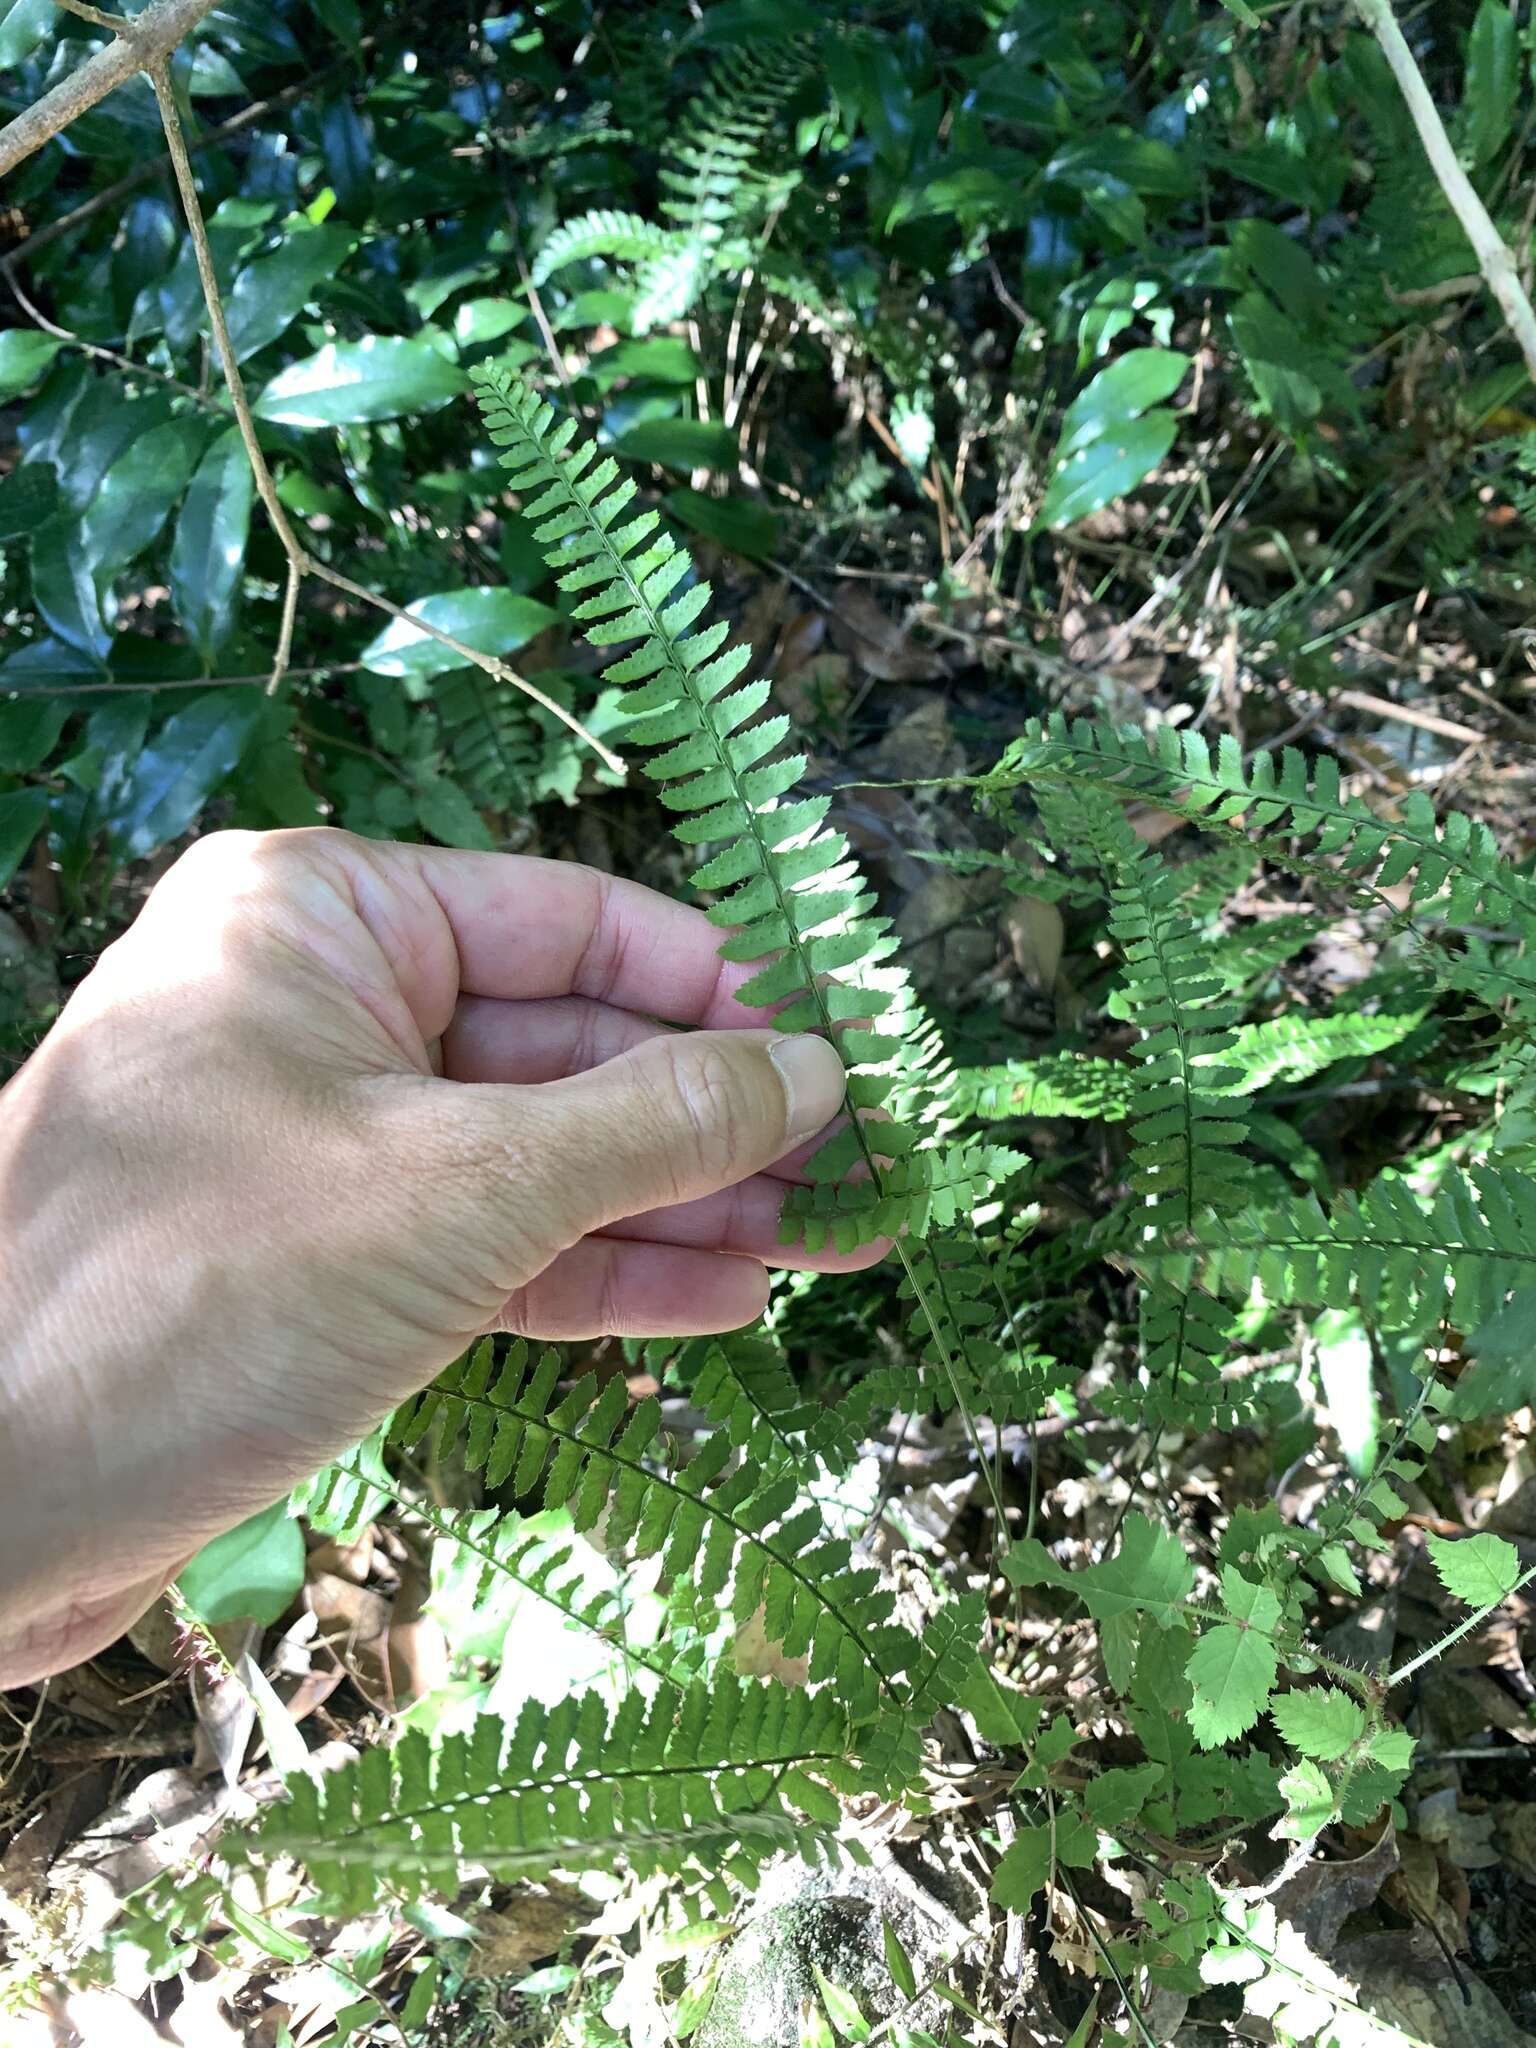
(756, 1657)
(1402, 1979)
(881, 646)
(1322, 1895)
(1035, 936)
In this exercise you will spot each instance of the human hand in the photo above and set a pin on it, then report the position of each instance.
(329, 1110)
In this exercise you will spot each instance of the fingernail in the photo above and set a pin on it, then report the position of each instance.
(814, 1081)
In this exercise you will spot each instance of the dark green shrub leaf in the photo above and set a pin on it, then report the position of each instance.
(680, 444)
(24, 356)
(208, 555)
(270, 293)
(1106, 469)
(744, 528)
(491, 621)
(162, 790)
(22, 812)
(377, 378)
(1493, 83)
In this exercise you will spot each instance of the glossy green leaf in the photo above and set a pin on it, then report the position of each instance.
(269, 293)
(842, 2008)
(165, 786)
(208, 554)
(250, 1573)
(23, 25)
(64, 588)
(139, 492)
(29, 729)
(29, 498)
(1095, 475)
(680, 444)
(46, 665)
(378, 378)
(23, 813)
(492, 621)
(1140, 378)
(24, 356)
(897, 1961)
(746, 529)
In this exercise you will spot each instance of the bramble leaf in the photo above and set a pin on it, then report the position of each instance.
(1321, 1722)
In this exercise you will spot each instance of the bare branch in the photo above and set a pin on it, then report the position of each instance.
(139, 45)
(1493, 257)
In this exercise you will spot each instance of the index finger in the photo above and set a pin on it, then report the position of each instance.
(528, 928)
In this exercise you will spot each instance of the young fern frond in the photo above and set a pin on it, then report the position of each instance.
(743, 1386)
(716, 1779)
(709, 190)
(716, 1530)
(791, 897)
(924, 1192)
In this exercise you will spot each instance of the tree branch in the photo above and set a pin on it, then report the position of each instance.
(1493, 257)
(139, 45)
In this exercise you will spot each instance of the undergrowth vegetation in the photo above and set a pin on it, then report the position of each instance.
(1116, 484)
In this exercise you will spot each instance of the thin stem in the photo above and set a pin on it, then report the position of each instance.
(1464, 1628)
(138, 46)
(1493, 257)
(300, 562)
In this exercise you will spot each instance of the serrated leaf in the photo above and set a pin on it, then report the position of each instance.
(1035, 1852)
(1232, 1670)
(1481, 1570)
(1321, 1722)
(1148, 1574)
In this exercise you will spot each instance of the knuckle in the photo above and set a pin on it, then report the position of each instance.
(708, 1110)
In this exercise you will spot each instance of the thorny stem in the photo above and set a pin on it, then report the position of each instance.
(1463, 1628)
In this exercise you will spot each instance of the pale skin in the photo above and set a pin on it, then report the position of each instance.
(328, 1110)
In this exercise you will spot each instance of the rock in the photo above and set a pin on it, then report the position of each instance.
(827, 1919)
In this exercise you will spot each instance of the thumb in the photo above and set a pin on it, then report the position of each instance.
(679, 1116)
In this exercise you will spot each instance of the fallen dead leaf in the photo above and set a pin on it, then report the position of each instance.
(1402, 1979)
(527, 1930)
(1322, 1895)
(1035, 937)
(881, 646)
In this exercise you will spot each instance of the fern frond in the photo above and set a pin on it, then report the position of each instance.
(1473, 1242)
(503, 1549)
(630, 237)
(794, 902)
(742, 1384)
(717, 1779)
(716, 1530)
(492, 741)
(1453, 864)
(929, 1191)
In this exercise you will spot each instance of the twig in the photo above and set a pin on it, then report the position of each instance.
(1493, 257)
(115, 22)
(300, 562)
(145, 45)
(139, 45)
(1408, 714)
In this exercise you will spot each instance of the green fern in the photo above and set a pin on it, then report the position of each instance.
(1452, 865)
(716, 1779)
(710, 190)
(741, 1530)
(1471, 1245)
(791, 898)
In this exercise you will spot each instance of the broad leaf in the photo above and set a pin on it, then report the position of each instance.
(208, 554)
(1149, 1574)
(378, 378)
(166, 785)
(1035, 1852)
(1141, 378)
(270, 293)
(22, 814)
(1493, 82)
(24, 356)
(1322, 1722)
(680, 444)
(1096, 474)
(139, 492)
(491, 621)
(1482, 1570)
(250, 1573)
